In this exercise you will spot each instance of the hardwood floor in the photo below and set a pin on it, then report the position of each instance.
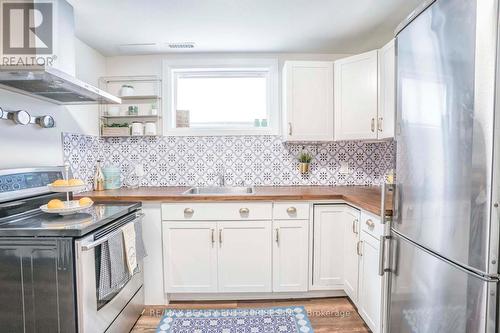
(326, 314)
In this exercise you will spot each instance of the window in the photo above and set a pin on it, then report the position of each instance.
(236, 98)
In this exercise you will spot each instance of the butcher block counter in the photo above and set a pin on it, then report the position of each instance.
(365, 197)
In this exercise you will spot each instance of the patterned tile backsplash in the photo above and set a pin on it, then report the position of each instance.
(249, 160)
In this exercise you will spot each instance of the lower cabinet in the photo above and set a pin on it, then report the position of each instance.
(351, 252)
(328, 247)
(207, 256)
(244, 259)
(290, 255)
(190, 254)
(370, 283)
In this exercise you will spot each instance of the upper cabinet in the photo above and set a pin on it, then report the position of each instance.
(365, 95)
(356, 97)
(387, 91)
(308, 100)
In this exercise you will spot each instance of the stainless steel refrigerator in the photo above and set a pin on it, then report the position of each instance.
(443, 260)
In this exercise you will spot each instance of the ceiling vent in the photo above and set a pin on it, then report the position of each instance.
(183, 45)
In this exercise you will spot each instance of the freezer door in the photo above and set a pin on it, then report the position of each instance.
(445, 132)
(431, 295)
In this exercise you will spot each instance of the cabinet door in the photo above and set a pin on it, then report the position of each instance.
(290, 255)
(190, 254)
(387, 91)
(328, 247)
(351, 258)
(370, 283)
(244, 260)
(308, 100)
(356, 97)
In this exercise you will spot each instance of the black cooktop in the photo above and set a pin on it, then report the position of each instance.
(40, 224)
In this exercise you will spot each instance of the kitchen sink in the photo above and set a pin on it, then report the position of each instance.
(220, 190)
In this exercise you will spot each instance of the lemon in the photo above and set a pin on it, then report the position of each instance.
(60, 182)
(75, 182)
(85, 201)
(55, 204)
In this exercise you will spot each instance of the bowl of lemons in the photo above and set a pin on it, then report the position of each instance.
(56, 206)
(71, 185)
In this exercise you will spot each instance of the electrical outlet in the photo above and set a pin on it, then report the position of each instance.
(344, 168)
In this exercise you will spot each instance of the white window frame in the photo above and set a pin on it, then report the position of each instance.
(198, 66)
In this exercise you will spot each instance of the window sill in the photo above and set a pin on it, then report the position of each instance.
(220, 132)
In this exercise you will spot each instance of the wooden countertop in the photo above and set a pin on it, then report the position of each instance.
(364, 197)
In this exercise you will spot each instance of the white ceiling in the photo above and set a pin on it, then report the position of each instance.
(315, 26)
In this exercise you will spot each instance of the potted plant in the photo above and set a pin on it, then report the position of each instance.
(116, 129)
(304, 161)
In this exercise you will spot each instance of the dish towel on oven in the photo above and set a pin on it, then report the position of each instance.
(128, 233)
(113, 274)
(114, 271)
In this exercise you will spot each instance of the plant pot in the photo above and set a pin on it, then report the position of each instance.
(304, 167)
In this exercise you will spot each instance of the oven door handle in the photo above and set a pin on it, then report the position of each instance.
(90, 245)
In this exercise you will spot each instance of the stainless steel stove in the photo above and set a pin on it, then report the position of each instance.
(50, 264)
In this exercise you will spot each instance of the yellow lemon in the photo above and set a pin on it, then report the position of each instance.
(85, 201)
(60, 182)
(55, 204)
(75, 182)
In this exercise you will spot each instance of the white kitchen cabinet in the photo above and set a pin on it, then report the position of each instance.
(244, 260)
(290, 255)
(356, 97)
(351, 252)
(328, 247)
(190, 254)
(387, 91)
(370, 283)
(308, 100)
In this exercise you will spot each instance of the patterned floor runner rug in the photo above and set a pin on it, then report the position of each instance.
(261, 320)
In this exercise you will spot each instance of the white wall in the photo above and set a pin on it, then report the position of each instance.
(23, 146)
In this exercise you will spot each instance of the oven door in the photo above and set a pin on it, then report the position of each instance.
(124, 307)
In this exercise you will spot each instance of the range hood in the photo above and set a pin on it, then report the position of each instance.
(53, 85)
(56, 83)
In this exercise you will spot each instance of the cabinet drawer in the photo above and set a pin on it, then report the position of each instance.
(371, 224)
(217, 211)
(291, 210)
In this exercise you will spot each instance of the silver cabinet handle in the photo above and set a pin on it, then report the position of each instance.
(212, 237)
(188, 211)
(370, 224)
(220, 237)
(373, 125)
(379, 124)
(289, 128)
(358, 248)
(383, 207)
(354, 222)
(381, 254)
(244, 211)
(291, 210)
(278, 237)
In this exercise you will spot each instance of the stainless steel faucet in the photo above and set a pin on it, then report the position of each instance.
(222, 179)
